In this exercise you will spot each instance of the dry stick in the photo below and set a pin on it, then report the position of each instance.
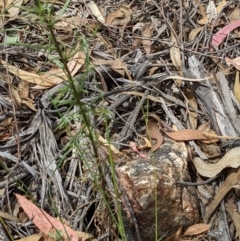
(196, 183)
(166, 20)
(225, 219)
(128, 128)
(180, 34)
(14, 116)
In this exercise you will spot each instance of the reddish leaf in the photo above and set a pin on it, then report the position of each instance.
(133, 145)
(218, 38)
(44, 221)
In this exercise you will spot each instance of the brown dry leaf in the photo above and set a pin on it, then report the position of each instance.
(50, 78)
(232, 210)
(197, 229)
(9, 217)
(206, 126)
(235, 62)
(23, 89)
(152, 70)
(34, 237)
(175, 53)
(95, 11)
(121, 16)
(57, 76)
(116, 64)
(106, 143)
(13, 7)
(236, 89)
(186, 135)
(53, 1)
(147, 33)
(70, 22)
(154, 132)
(211, 135)
(85, 236)
(221, 6)
(202, 11)
(26, 76)
(17, 98)
(212, 150)
(192, 103)
(147, 144)
(193, 119)
(176, 236)
(235, 15)
(230, 159)
(231, 180)
(156, 117)
(193, 34)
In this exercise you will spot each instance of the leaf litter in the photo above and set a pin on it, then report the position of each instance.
(145, 73)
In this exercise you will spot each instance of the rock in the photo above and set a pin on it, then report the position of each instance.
(151, 183)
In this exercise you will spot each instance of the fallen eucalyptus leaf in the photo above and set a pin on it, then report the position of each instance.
(231, 159)
(231, 180)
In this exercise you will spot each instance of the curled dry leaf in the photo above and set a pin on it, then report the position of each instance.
(230, 159)
(231, 180)
(193, 34)
(147, 33)
(146, 143)
(197, 229)
(121, 16)
(110, 146)
(154, 133)
(202, 12)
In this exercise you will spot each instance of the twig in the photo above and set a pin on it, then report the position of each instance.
(128, 128)
(196, 183)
